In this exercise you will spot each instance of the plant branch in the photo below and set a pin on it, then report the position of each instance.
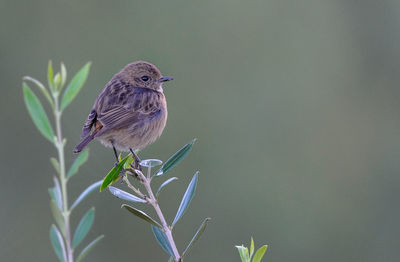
(63, 180)
(151, 199)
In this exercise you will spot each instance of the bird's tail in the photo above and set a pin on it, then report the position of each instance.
(83, 143)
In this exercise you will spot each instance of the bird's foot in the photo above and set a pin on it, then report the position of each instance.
(133, 173)
(137, 160)
(121, 177)
(137, 166)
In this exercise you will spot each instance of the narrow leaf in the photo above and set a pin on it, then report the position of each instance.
(63, 74)
(128, 163)
(57, 193)
(41, 88)
(142, 215)
(80, 160)
(52, 194)
(260, 253)
(87, 249)
(55, 196)
(75, 86)
(164, 184)
(251, 247)
(197, 236)
(57, 81)
(50, 75)
(55, 164)
(150, 162)
(125, 195)
(162, 240)
(58, 243)
(171, 259)
(175, 159)
(83, 228)
(86, 192)
(187, 197)
(38, 114)
(113, 175)
(58, 217)
(244, 253)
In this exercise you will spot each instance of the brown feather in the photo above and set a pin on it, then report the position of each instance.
(129, 114)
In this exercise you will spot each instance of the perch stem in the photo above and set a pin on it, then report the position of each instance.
(153, 201)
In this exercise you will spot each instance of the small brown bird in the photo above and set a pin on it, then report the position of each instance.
(130, 112)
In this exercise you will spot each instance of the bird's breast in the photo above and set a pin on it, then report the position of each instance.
(139, 135)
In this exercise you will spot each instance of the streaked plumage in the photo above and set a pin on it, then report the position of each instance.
(129, 113)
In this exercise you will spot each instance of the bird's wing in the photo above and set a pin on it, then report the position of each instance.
(90, 121)
(136, 106)
(105, 101)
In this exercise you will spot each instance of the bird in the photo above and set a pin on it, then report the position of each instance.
(130, 112)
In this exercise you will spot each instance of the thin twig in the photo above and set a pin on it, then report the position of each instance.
(134, 189)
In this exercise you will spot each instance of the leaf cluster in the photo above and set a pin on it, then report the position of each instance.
(247, 257)
(58, 99)
(159, 231)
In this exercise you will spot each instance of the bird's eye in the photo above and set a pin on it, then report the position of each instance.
(145, 78)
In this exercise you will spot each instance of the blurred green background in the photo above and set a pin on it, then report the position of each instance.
(295, 105)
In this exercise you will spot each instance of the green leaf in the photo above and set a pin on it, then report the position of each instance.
(75, 86)
(50, 76)
(63, 75)
(142, 215)
(57, 243)
(54, 197)
(86, 192)
(125, 195)
(87, 249)
(187, 197)
(113, 175)
(164, 184)
(55, 164)
(58, 217)
(37, 113)
(57, 81)
(83, 228)
(55, 193)
(80, 160)
(251, 247)
(260, 253)
(150, 162)
(128, 163)
(41, 88)
(162, 240)
(244, 253)
(175, 159)
(171, 259)
(52, 194)
(197, 236)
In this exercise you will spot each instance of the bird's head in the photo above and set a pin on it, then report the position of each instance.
(144, 74)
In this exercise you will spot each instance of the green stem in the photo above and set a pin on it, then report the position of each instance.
(63, 181)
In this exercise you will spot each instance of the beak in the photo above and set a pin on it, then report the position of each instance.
(165, 79)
